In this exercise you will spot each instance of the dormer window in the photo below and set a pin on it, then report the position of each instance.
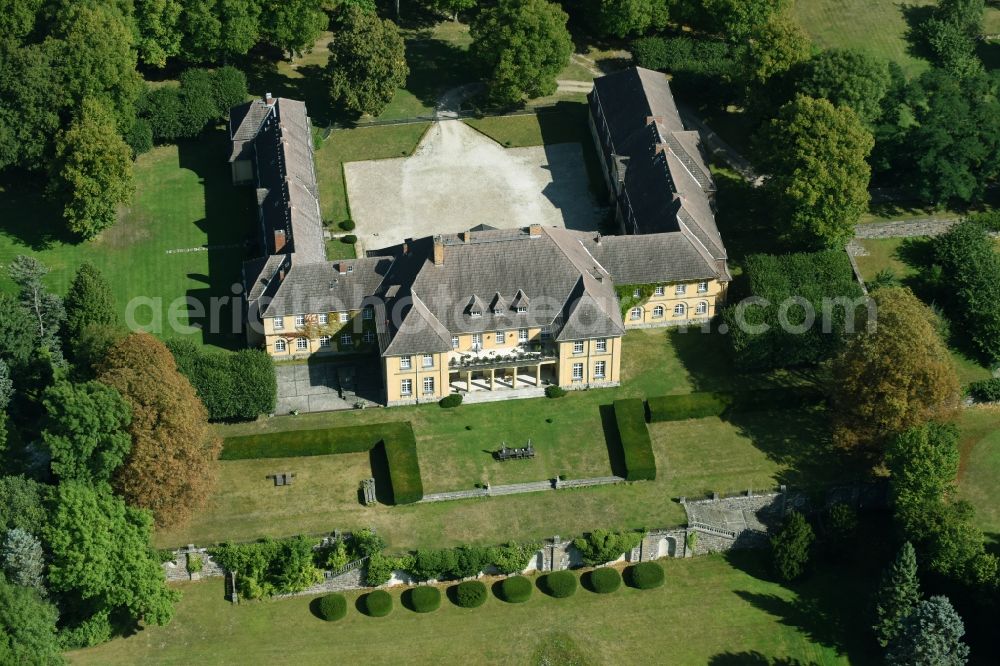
(497, 311)
(475, 313)
(521, 309)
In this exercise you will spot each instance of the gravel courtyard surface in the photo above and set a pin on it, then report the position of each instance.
(458, 178)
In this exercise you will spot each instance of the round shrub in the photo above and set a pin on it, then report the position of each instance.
(425, 599)
(451, 400)
(347, 225)
(332, 607)
(560, 584)
(349, 239)
(470, 594)
(377, 603)
(515, 590)
(645, 575)
(605, 580)
(554, 391)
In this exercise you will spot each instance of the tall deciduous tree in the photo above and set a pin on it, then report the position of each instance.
(293, 25)
(100, 553)
(791, 546)
(15, 346)
(86, 430)
(21, 503)
(170, 470)
(738, 19)
(27, 627)
(814, 154)
(923, 462)
(522, 46)
(367, 62)
(621, 18)
(847, 77)
(774, 48)
(158, 23)
(930, 636)
(897, 596)
(895, 374)
(93, 170)
(89, 302)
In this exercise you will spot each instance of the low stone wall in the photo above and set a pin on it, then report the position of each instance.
(176, 569)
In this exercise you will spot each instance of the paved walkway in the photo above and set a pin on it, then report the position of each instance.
(519, 488)
(323, 386)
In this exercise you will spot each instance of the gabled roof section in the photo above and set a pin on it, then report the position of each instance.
(244, 123)
(476, 305)
(520, 300)
(498, 303)
(590, 312)
(420, 332)
(310, 287)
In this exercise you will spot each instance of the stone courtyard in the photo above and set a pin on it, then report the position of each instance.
(459, 178)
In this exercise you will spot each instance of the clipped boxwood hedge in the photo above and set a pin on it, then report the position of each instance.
(425, 599)
(377, 603)
(451, 400)
(332, 607)
(640, 464)
(605, 580)
(515, 590)
(554, 391)
(644, 575)
(687, 406)
(470, 594)
(702, 405)
(560, 584)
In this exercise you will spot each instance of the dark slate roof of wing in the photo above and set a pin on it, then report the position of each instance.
(244, 123)
(322, 287)
(650, 258)
(419, 332)
(260, 274)
(590, 312)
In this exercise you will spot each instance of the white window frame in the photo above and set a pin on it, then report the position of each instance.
(637, 293)
(301, 344)
(522, 335)
(659, 291)
(323, 318)
(369, 337)
(680, 310)
(345, 317)
(497, 311)
(278, 323)
(477, 340)
(300, 320)
(521, 309)
(406, 387)
(368, 313)
(577, 372)
(658, 312)
(701, 308)
(578, 346)
(428, 385)
(703, 287)
(324, 341)
(635, 314)
(475, 314)
(346, 339)
(601, 345)
(680, 289)
(454, 342)
(501, 336)
(405, 362)
(280, 346)
(427, 361)
(599, 369)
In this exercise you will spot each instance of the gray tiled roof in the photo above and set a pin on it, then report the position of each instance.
(328, 286)
(420, 332)
(650, 258)
(244, 123)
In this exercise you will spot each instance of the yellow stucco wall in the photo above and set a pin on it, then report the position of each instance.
(589, 358)
(395, 373)
(691, 297)
(312, 330)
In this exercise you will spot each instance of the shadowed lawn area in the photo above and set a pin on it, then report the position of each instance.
(184, 200)
(740, 617)
(980, 471)
(693, 457)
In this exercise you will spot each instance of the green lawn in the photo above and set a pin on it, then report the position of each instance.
(980, 470)
(711, 610)
(184, 200)
(693, 458)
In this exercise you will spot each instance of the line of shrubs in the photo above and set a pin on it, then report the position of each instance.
(987, 390)
(451, 563)
(514, 590)
(395, 440)
(637, 448)
(234, 386)
(719, 403)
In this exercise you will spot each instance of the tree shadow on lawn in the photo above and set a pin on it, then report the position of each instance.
(830, 607)
(436, 66)
(915, 16)
(229, 226)
(751, 658)
(29, 216)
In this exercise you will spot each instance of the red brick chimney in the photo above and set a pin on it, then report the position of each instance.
(268, 99)
(438, 251)
(535, 231)
(279, 241)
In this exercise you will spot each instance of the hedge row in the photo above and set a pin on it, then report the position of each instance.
(396, 439)
(701, 405)
(987, 390)
(234, 386)
(630, 415)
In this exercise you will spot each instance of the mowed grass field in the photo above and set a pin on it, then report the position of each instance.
(694, 458)
(980, 471)
(183, 237)
(711, 610)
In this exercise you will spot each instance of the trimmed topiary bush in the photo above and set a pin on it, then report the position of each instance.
(470, 594)
(605, 580)
(347, 225)
(451, 400)
(644, 575)
(425, 599)
(377, 603)
(515, 590)
(560, 584)
(554, 391)
(332, 607)
(349, 239)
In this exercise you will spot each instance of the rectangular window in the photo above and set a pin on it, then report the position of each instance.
(477, 341)
(324, 341)
(324, 318)
(702, 287)
(681, 289)
(344, 317)
(521, 309)
(546, 335)
(601, 345)
(658, 291)
(279, 323)
(501, 336)
(428, 360)
(599, 370)
(406, 387)
(369, 337)
(428, 385)
(368, 312)
(280, 346)
(301, 344)
(300, 320)
(578, 347)
(346, 339)
(637, 293)
(404, 362)
(454, 342)
(522, 335)
(577, 372)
